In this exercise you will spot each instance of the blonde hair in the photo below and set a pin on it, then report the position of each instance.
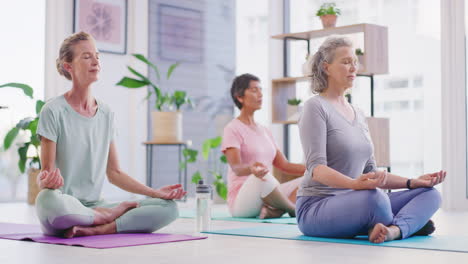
(66, 51)
(326, 53)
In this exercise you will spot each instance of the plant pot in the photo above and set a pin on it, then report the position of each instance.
(293, 112)
(33, 189)
(167, 127)
(328, 21)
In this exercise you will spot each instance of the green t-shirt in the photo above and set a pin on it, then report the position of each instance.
(82, 146)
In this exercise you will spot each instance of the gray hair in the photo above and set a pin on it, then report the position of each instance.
(326, 53)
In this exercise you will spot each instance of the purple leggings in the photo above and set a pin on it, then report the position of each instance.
(354, 213)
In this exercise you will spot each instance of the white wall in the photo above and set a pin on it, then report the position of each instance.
(128, 105)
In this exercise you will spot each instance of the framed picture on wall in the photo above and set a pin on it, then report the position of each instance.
(105, 20)
(180, 34)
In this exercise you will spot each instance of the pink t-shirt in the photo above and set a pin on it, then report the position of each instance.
(256, 144)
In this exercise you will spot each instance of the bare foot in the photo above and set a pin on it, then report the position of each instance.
(78, 231)
(381, 233)
(270, 212)
(107, 215)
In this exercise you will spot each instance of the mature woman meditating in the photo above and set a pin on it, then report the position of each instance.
(252, 152)
(77, 134)
(340, 195)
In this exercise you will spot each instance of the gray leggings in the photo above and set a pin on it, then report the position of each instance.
(57, 212)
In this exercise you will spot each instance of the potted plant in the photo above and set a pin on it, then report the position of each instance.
(328, 13)
(167, 118)
(293, 109)
(360, 56)
(27, 90)
(27, 124)
(216, 165)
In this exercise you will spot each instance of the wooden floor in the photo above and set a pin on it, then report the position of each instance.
(221, 249)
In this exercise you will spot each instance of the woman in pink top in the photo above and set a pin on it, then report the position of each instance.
(252, 152)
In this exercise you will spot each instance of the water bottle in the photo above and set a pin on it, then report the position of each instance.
(203, 194)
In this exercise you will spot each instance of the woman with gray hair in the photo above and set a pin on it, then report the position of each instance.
(340, 194)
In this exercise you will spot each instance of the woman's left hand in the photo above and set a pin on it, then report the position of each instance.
(428, 180)
(170, 192)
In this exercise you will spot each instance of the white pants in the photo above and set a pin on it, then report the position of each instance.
(249, 201)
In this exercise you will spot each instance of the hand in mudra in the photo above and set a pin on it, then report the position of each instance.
(429, 180)
(50, 179)
(370, 181)
(170, 192)
(259, 170)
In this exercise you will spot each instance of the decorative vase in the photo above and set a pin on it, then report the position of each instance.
(33, 188)
(167, 127)
(328, 21)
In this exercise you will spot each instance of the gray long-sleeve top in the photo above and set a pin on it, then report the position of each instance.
(328, 138)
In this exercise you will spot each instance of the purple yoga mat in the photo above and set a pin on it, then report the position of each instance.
(34, 233)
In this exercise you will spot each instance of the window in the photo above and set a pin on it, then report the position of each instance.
(397, 83)
(252, 53)
(418, 81)
(396, 106)
(22, 56)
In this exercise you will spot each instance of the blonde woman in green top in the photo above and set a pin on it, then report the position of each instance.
(77, 134)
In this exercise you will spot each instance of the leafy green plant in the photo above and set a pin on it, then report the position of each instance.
(328, 9)
(26, 124)
(294, 101)
(209, 150)
(177, 99)
(348, 97)
(359, 52)
(28, 91)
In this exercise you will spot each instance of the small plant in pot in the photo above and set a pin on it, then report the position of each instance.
(27, 90)
(167, 118)
(360, 56)
(293, 109)
(328, 13)
(216, 165)
(27, 124)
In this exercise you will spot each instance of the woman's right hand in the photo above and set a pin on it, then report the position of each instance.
(50, 179)
(370, 180)
(259, 170)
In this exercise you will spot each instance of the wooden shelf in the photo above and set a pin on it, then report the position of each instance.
(350, 29)
(285, 122)
(375, 58)
(282, 90)
(291, 79)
